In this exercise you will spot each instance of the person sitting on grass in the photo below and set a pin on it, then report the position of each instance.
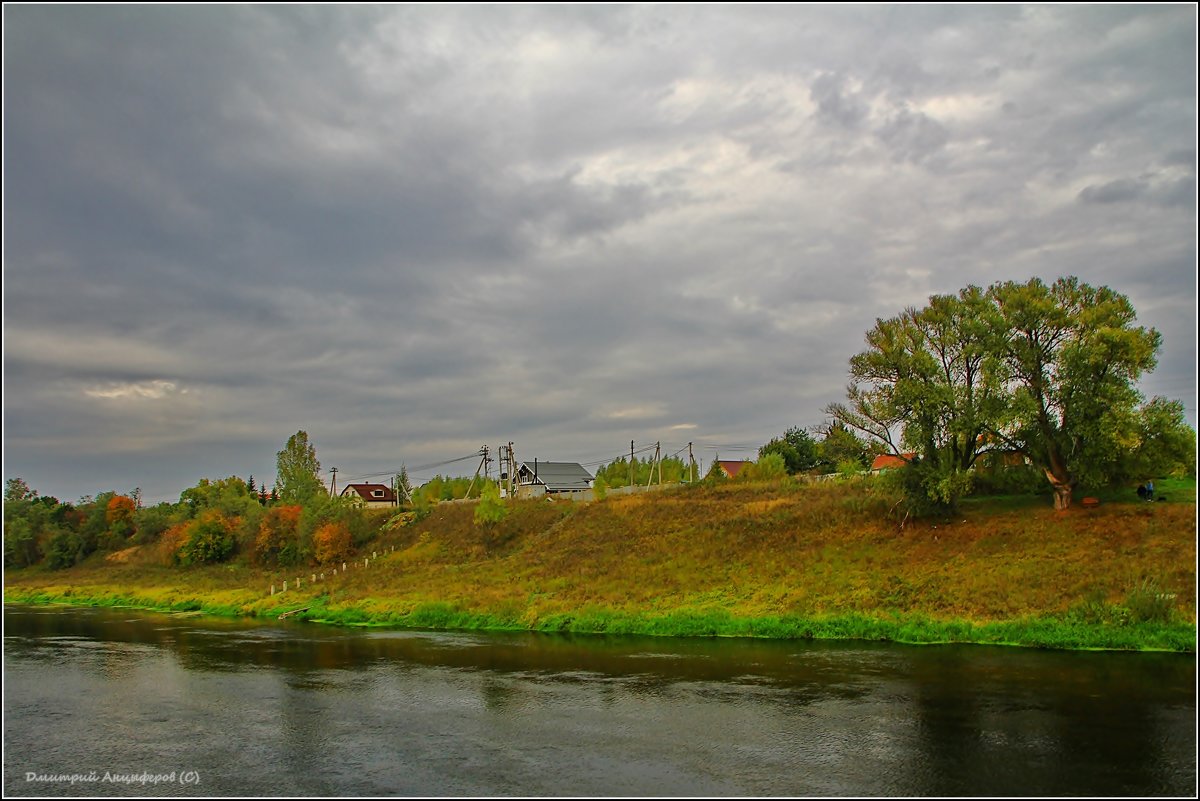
(1150, 490)
(1141, 491)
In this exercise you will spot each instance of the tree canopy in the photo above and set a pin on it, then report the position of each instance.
(1046, 371)
(797, 449)
(1072, 357)
(929, 383)
(298, 476)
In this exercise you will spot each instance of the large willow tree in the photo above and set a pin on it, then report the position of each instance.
(929, 383)
(1046, 371)
(1072, 356)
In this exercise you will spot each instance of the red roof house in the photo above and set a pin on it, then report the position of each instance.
(890, 461)
(731, 468)
(373, 495)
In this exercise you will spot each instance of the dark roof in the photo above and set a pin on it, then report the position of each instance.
(367, 492)
(560, 476)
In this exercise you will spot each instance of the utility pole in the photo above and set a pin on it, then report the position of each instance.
(631, 464)
(650, 477)
(691, 465)
(512, 471)
(508, 468)
(333, 482)
(483, 452)
(503, 477)
(509, 475)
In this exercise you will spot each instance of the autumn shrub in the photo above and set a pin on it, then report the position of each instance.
(491, 508)
(64, 549)
(769, 467)
(209, 539)
(1147, 602)
(849, 468)
(118, 523)
(151, 521)
(278, 539)
(20, 544)
(332, 542)
(119, 514)
(166, 551)
(399, 521)
(1014, 480)
(246, 531)
(364, 525)
(928, 491)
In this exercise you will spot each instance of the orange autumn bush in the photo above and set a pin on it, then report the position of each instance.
(278, 540)
(332, 543)
(170, 542)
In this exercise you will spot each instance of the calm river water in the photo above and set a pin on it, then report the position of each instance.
(293, 709)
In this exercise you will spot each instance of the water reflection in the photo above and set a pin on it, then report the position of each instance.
(290, 708)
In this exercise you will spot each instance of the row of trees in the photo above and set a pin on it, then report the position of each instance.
(838, 450)
(1045, 371)
(212, 522)
(618, 473)
(215, 520)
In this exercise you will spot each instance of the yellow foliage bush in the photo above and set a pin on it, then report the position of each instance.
(332, 543)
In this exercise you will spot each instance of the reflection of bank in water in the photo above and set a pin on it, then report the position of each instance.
(296, 709)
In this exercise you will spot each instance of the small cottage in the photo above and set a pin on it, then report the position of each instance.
(537, 477)
(371, 495)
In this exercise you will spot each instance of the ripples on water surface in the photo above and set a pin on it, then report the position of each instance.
(296, 709)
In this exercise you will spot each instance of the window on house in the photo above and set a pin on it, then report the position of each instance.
(377, 493)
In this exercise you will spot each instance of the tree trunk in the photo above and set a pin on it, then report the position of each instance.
(1062, 490)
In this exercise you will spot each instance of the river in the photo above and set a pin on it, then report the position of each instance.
(136, 703)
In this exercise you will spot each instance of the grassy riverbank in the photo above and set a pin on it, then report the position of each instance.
(770, 560)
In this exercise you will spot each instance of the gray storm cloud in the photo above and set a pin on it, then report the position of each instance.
(412, 230)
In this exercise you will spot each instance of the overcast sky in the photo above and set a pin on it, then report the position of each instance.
(414, 230)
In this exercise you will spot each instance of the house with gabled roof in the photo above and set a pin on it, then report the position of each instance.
(538, 477)
(731, 467)
(371, 495)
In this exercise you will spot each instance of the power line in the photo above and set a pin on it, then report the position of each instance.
(415, 468)
(615, 458)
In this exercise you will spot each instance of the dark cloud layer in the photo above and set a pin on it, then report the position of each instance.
(411, 230)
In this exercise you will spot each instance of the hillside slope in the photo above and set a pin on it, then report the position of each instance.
(778, 559)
